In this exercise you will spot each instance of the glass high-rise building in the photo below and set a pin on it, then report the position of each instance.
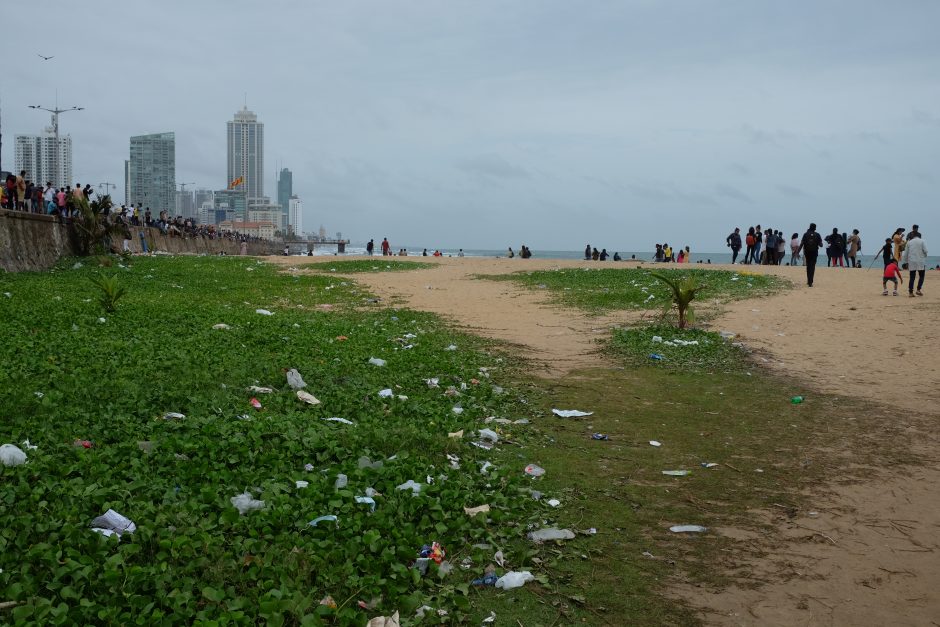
(246, 153)
(151, 172)
(285, 189)
(37, 155)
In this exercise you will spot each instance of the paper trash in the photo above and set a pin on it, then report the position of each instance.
(111, 523)
(571, 413)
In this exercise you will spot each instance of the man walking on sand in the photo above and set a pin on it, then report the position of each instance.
(734, 243)
(809, 246)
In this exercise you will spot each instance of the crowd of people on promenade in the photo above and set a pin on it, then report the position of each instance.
(844, 250)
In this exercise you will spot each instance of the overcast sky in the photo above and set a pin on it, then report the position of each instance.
(484, 124)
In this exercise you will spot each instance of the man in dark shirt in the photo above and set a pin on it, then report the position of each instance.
(734, 243)
(770, 243)
(809, 246)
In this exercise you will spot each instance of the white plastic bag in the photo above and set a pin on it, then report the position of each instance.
(514, 579)
(551, 533)
(111, 523)
(245, 503)
(295, 380)
(12, 455)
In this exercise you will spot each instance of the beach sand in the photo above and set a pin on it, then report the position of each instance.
(873, 555)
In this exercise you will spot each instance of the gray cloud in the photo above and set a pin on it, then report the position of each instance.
(792, 191)
(492, 165)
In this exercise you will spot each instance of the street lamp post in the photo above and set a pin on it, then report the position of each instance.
(55, 125)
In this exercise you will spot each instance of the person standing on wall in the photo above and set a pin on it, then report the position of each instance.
(809, 246)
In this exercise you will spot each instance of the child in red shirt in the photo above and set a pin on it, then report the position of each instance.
(891, 274)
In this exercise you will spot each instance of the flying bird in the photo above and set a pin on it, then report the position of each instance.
(45, 58)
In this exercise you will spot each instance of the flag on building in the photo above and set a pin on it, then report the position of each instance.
(236, 182)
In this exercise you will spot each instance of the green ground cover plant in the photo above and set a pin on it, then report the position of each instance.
(91, 392)
(665, 346)
(376, 264)
(601, 290)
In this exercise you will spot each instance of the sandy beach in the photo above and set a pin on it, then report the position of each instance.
(878, 565)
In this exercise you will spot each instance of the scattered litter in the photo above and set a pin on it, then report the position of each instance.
(411, 485)
(244, 503)
(342, 420)
(485, 467)
(307, 397)
(796, 400)
(688, 529)
(111, 523)
(367, 500)
(452, 347)
(260, 390)
(656, 357)
(657, 340)
(534, 471)
(473, 511)
(317, 521)
(255, 403)
(490, 619)
(221, 327)
(600, 436)
(675, 473)
(264, 312)
(489, 434)
(571, 413)
(173, 415)
(365, 462)
(514, 579)
(655, 443)
(82, 444)
(376, 361)
(12, 455)
(758, 470)
(457, 409)
(521, 421)
(386, 393)
(341, 481)
(486, 446)
(433, 382)
(709, 464)
(301, 484)
(456, 434)
(554, 502)
(101, 320)
(499, 558)
(295, 380)
(28, 446)
(454, 461)
(550, 533)
(385, 621)
(308, 467)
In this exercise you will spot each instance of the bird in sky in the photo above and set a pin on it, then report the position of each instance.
(45, 58)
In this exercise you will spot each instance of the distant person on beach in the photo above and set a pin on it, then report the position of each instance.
(370, 247)
(595, 255)
(885, 252)
(386, 248)
(658, 255)
(914, 229)
(781, 247)
(524, 252)
(688, 255)
(758, 242)
(510, 254)
(667, 252)
(898, 240)
(424, 253)
(616, 256)
(893, 274)
(834, 249)
(916, 253)
(681, 257)
(809, 246)
(749, 241)
(853, 248)
(604, 255)
(770, 249)
(587, 252)
(460, 253)
(734, 243)
(795, 249)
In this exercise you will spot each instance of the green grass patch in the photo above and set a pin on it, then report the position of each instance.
(379, 264)
(602, 290)
(72, 372)
(666, 346)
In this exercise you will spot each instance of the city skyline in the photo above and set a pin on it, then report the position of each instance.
(619, 123)
(151, 172)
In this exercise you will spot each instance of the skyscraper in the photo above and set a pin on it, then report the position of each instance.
(285, 189)
(37, 155)
(246, 153)
(151, 172)
(296, 215)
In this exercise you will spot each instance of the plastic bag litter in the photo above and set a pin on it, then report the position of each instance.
(342, 420)
(386, 393)
(571, 413)
(377, 362)
(412, 485)
(688, 529)
(514, 579)
(295, 380)
(456, 434)
(473, 511)
(367, 500)
(260, 390)
(301, 484)
(173, 415)
(308, 398)
(657, 340)
(245, 503)
(457, 409)
(365, 462)
(454, 461)
(221, 327)
(385, 621)
(709, 465)
(534, 471)
(675, 473)
(12, 455)
(554, 502)
(254, 402)
(452, 347)
(550, 533)
(341, 481)
(655, 443)
(499, 558)
(316, 521)
(490, 619)
(485, 467)
(111, 523)
(28, 446)
(264, 312)
(489, 434)
(433, 382)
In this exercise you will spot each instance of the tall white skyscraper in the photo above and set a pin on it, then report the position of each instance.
(296, 215)
(246, 153)
(37, 155)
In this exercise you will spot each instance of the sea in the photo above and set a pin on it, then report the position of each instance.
(705, 258)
